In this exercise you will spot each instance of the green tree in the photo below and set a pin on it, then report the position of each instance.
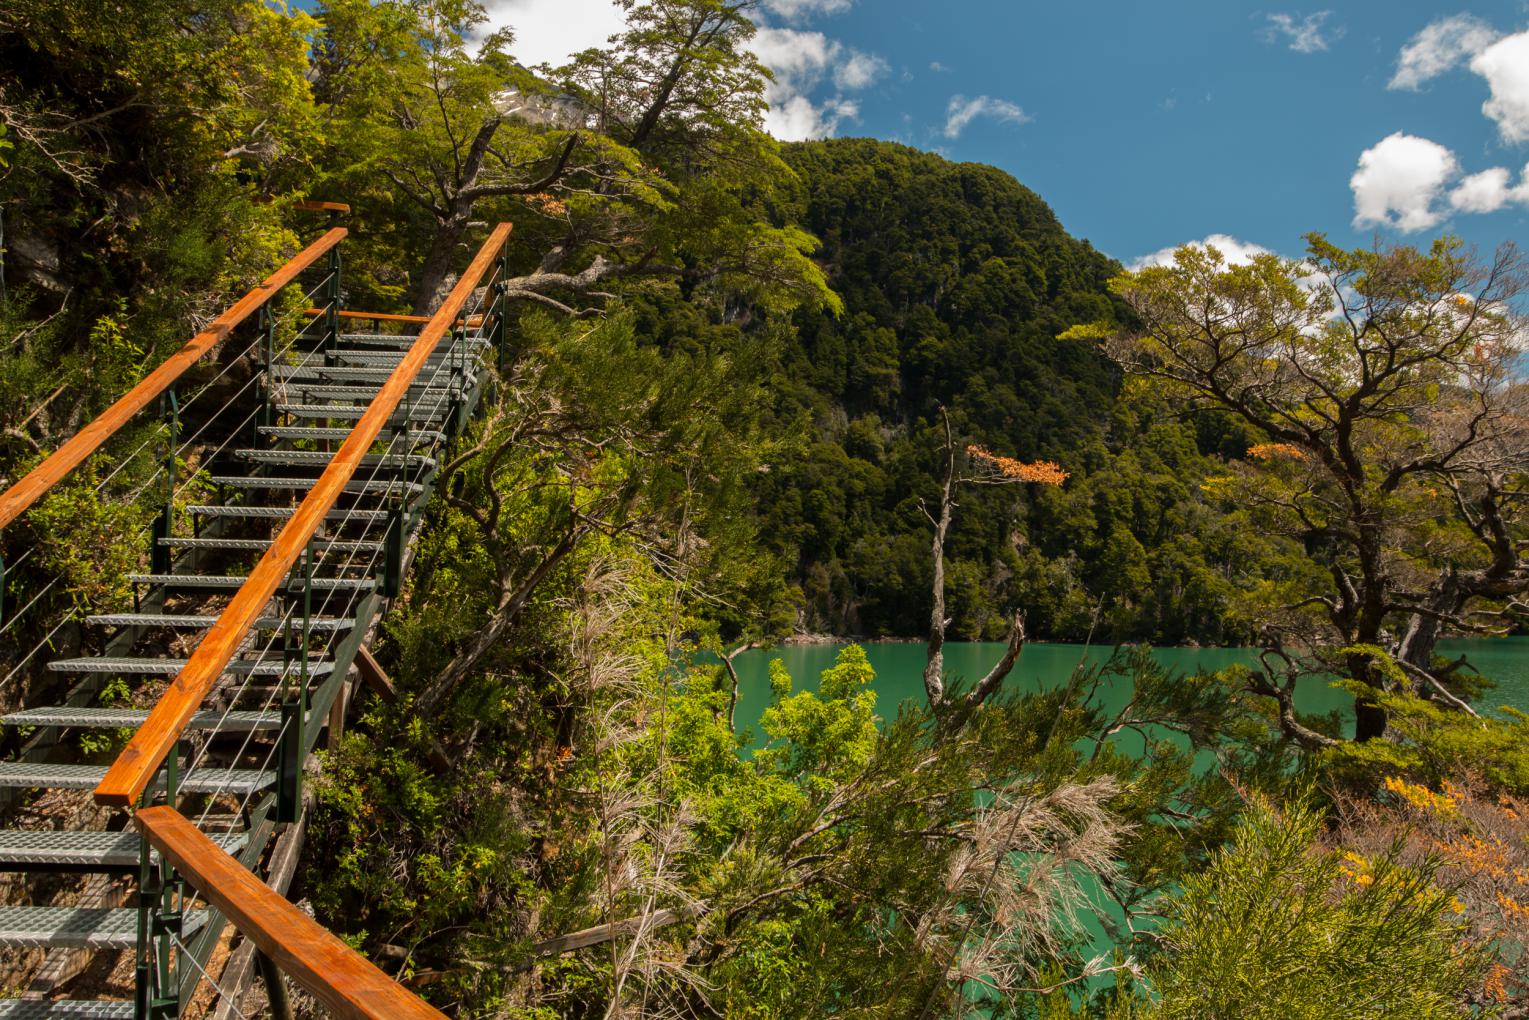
(1391, 430)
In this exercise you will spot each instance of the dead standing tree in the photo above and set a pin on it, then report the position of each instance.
(972, 465)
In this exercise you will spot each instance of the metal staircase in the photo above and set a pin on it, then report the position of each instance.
(237, 767)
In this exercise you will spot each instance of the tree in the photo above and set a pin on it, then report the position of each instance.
(977, 467)
(642, 160)
(1386, 388)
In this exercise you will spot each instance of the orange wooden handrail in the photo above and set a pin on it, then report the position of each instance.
(351, 313)
(326, 967)
(130, 774)
(308, 205)
(15, 501)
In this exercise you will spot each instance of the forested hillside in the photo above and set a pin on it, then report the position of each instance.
(956, 282)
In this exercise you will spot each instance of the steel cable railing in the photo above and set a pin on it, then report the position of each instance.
(135, 766)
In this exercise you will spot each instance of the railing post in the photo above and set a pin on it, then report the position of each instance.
(502, 302)
(332, 309)
(159, 552)
(392, 553)
(264, 417)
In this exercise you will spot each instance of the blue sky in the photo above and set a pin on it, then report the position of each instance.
(1148, 125)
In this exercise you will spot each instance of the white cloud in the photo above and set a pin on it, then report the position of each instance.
(1398, 181)
(938, 68)
(1505, 66)
(1306, 35)
(549, 31)
(802, 61)
(962, 111)
(797, 118)
(1441, 46)
(1234, 251)
(859, 71)
(800, 10)
(1489, 191)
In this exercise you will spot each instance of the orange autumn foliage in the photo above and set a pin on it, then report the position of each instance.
(1042, 472)
(1268, 451)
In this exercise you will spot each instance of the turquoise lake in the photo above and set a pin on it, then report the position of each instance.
(900, 667)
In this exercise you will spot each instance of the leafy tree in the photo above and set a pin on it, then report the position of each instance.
(1384, 389)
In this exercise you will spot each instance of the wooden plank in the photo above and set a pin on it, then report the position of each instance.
(83, 443)
(373, 675)
(131, 773)
(312, 206)
(329, 970)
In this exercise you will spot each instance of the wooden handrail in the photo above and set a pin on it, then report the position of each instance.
(351, 313)
(15, 501)
(309, 205)
(338, 976)
(130, 774)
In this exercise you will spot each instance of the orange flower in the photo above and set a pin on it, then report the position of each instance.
(1042, 472)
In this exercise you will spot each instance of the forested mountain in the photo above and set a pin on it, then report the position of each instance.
(956, 281)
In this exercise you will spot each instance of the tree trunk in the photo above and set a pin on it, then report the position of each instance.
(434, 279)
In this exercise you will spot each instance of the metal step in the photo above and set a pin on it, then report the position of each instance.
(390, 359)
(261, 544)
(39, 776)
(344, 412)
(115, 718)
(319, 458)
(322, 623)
(424, 435)
(396, 342)
(237, 581)
(132, 666)
(300, 374)
(86, 849)
(66, 1009)
(342, 514)
(356, 486)
(78, 927)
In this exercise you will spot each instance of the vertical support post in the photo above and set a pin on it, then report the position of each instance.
(275, 987)
(159, 552)
(392, 553)
(332, 308)
(501, 302)
(266, 414)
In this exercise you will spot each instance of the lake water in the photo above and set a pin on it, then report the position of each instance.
(900, 670)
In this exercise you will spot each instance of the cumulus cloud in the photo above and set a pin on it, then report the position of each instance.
(801, 10)
(1305, 35)
(1236, 252)
(962, 111)
(1490, 191)
(1399, 181)
(1505, 66)
(549, 31)
(1441, 46)
(802, 61)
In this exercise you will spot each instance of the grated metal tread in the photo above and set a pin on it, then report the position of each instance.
(261, 544)
(436, 414)
(237, 580)
(322, 623)
(343, 515)
(356, 487)
(390, 359)
(402, 342)
(94, 849)
(78, 927)
(304, 432)
(66, 1009)
(133, 666)
(113, 718)
(319, 458)
(298, 376)
(42, 776)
